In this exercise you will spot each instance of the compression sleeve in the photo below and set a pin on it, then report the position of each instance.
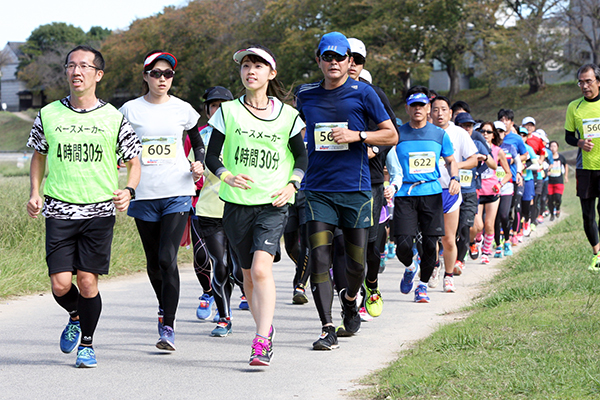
(214, 151)
(298, 149)
(197, 143)
(570, 138)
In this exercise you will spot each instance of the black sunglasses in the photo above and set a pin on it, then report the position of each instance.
(486, 131)
(333, 56)
(157, 73)
(358, 59)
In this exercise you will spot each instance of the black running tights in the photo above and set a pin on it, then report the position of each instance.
(320, 236)
(590, 226)
(428, 253)
(161, 244)
(502, 219)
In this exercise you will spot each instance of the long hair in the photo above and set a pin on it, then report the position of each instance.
(496, 139)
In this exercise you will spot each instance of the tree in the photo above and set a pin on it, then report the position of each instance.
(536, 38)
(583, 19)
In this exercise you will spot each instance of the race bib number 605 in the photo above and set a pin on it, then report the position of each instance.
(158, 150)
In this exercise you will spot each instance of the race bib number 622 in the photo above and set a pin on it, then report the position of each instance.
(421, 162)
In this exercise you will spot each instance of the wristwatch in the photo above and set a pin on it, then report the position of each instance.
(375, 149)
(362, 135)
(296, 184)
(456, 178)
(131, 192)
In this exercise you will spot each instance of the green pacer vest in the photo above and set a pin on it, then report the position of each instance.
(258, 148)
(82, 159)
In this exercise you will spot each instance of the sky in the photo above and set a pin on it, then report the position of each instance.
(19, 19)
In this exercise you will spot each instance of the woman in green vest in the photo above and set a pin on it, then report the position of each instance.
(264, 160)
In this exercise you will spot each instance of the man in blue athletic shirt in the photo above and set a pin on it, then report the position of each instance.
(338, 183)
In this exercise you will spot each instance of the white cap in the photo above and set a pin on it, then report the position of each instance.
(500, 125)
(366, 75)
(528, 120)
(357, 46)
(541, 134)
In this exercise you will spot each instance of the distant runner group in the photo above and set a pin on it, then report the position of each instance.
(342, 180)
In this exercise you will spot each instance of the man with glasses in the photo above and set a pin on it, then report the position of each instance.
(582, 129)
(81, 137)
(372, 300)
(338, 184)
(418, 204)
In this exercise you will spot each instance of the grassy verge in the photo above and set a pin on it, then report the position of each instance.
(22, 244)
(533, 335)
(15, 132)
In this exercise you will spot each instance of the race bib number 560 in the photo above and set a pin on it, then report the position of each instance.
(324, 137)
(591, 128)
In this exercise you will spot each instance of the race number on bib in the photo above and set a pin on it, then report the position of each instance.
(500, 173)
(591, 128)
(421, 163)
(158, 150)
(466, 177)
(324, 136)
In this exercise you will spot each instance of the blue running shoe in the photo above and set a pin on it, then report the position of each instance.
(507, 249)
(391, 253)
(160, 322)
(167, 339)
(244, 304)
(223, 329)
(421, 294)
(406, 284)
(498, 253)
(204, 310)
(217, 317)
(86, 357)
(69, 339)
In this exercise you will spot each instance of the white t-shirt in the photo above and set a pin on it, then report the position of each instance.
(464, 147)
(161, 129)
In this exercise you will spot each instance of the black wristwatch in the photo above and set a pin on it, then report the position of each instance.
(362, 135)
(131, 192)
(375, 149)
(296, 184)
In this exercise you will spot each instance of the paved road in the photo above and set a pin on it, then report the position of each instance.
(129, 366)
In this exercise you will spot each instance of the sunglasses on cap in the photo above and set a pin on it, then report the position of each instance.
(329, 57)
(157, 73)
(358, 59)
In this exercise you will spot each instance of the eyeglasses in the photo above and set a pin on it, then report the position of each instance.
(358, 59)
(484, 131)
(83, 67)
(329, 57)
(587, 82)
(157, 73)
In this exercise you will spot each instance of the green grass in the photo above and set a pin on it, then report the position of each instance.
(534, 335)
(22, 244)
(14, 131)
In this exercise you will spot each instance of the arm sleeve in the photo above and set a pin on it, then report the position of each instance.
(214, 151)
(394, 168)
(298, 149)
(570, 138)
(197, 143)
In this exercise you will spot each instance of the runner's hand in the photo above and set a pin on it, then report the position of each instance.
(283, 195)
(344, 135)
(586, 144)
(389, 192)
(34, 206)
(197, 169)
(239, 181)
(454, 187)
(122, 199)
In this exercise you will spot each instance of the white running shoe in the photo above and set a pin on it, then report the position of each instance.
(449, 284)
(435, 277)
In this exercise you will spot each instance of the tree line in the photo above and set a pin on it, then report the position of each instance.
(493, 41)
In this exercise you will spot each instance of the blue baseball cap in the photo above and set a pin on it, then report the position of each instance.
(334, 41)
(464, 118)
(417, 98)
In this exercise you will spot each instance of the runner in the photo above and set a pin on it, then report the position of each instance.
(164, 196)
(532, 165)
(470, 181)
(557, 177)
(419, 202)
(503, 223)
(491, 186)
(338, 185)
(81, 193)
(372, 301)
(264, 159)
(581, 125)
(466, 155)
(209, 227)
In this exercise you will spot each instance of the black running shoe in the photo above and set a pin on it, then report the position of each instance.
(350, 314)
(327, 340)
(299, 296)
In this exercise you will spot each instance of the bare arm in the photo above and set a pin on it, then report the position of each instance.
(36, 175)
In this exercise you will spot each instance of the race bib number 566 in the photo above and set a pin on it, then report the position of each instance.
(324, 137)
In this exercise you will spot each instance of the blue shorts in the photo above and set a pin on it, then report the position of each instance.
(451, 202)
(342, 209)
(154, 210)
(529, 190)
